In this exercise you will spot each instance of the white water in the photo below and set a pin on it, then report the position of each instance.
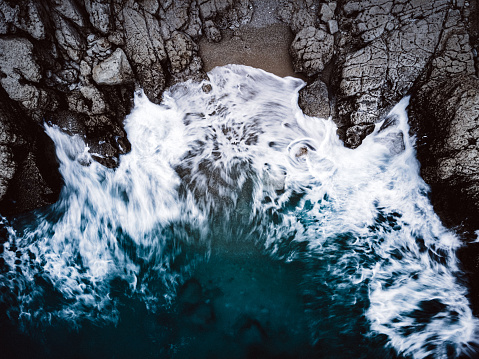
(242, 162)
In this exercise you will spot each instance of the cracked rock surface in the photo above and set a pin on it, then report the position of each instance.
(77, 63)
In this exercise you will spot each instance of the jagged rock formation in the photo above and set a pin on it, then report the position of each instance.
(76, 64)
(384, 50)
(381, 51)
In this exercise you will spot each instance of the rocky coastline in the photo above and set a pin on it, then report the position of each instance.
(77, 63)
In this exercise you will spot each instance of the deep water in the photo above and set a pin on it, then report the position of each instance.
(237, 227)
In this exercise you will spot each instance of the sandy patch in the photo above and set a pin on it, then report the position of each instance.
(263, 43)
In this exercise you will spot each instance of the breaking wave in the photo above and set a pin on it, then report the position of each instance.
(234, 160)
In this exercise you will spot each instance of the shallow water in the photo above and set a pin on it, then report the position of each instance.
(236, 227)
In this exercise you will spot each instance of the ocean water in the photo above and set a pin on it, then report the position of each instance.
(237, 227)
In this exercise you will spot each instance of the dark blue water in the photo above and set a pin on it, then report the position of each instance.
(237, 227)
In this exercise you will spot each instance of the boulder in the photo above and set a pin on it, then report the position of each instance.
(99, 14)
(180, 49)
(115, 70)
(314, 99)
(22, 74)
(446, 118)
(311, 50)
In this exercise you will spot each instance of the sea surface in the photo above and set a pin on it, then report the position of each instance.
(237, 227)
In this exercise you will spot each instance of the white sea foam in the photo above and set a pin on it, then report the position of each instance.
(242, 154)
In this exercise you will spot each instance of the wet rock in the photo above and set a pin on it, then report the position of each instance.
(115, 70)
(311, 50)
(356, 134)
(314, 99)
(446, 116)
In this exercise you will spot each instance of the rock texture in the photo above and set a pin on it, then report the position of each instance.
(370, 54)
(76, 64)
(384, 50)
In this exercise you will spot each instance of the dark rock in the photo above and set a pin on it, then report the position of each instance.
(446, 119)
(356, 134)
(250, 331)
(190, 293)
(314, 99)
(311, 50)
(145, 49)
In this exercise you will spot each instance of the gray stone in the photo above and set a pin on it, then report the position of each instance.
(69, 39)
(302, 19)
(326, 13)
(87, 100)
(115, 70)
(314, 100)
(333, 26)
(70, 10)
(99, 14)
(207, 9)
(211, 31)
(180, 49)
(151, 6)
(145, 50)
(32, 22)
(311, 50)
(18, 64)
(7, 169)
(333, 5)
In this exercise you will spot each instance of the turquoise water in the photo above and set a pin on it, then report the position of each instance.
(236, 227)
